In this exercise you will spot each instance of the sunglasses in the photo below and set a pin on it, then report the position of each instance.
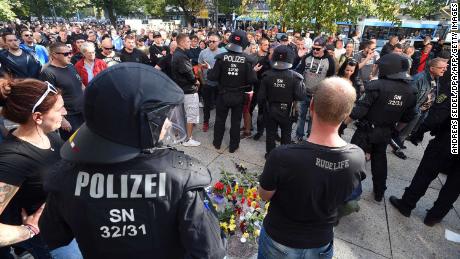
(213, 41)
(317, 49)
(108, 48)
(50, 89)
(352, 62)
(28, 35)
(65, 54)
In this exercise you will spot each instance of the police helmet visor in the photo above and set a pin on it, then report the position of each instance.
(167, 124)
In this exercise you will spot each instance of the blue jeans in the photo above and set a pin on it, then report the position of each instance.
(269, 249)
(70, 251)
(304, 107)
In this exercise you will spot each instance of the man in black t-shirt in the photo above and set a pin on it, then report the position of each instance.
(306, 183)
(16, 62)
(165, 63)
(130, 54)
(108, 53)
(157, 50)
(62, 74)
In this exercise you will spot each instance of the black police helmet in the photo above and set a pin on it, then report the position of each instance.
(394, 66)
(282, 58)
(126, 109)
(238, 41)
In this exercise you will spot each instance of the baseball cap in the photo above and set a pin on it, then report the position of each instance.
(284, 37)
(128, 108)
(320, 42)
(156, 34)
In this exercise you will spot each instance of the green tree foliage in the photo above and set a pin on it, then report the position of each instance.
(322, 15)
(6, 10)
(189, 8)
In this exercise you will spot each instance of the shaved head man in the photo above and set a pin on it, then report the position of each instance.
(322, 173)
(108, 53)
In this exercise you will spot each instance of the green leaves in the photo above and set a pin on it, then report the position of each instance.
(322, 15)
(6, 12)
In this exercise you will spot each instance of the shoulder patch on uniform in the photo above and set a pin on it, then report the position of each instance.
(441, 98)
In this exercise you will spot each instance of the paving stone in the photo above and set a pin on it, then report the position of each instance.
(366, 228)
(410, 238)
(228, 163)
(203, 154)
(347, 250)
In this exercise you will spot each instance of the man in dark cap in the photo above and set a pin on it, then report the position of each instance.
(234, 72)
(157, 50)
(278, 89)
(314, 67)
(387, 102)
(120, 189)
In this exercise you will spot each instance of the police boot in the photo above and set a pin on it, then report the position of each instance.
(435, 216)
(399, 205)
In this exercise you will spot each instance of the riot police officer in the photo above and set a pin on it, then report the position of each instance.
(234, 72)
(119, 189)
(278, 89)
(388, 101)
(437, 158)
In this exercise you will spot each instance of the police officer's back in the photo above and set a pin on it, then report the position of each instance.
(119, 190)
(279, 88)
(387, 101)
(233, 71)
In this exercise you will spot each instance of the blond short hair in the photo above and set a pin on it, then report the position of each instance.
(334, 100)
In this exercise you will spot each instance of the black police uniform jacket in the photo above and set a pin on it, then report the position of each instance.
(279, 88)
(384, 103)
(233, 71)
(182, 71)
(153, 206)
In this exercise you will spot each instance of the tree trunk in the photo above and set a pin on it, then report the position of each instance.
(108, 5)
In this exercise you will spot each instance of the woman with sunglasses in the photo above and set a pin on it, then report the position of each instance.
(26, 156)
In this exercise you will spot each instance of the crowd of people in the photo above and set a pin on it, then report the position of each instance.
(97, 106)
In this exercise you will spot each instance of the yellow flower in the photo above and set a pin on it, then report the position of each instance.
(231, 227)
(246, 235)
(257, 232)
(253, 204)
(215, 206)
(224, 225)
(236, 187)
(267, 205)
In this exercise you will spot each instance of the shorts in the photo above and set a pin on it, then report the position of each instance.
(247, 101)
(192, 108)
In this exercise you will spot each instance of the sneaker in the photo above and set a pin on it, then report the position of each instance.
(205, 126)
(397, 203)
(257, 136)
(191, 143)
(200, 104)
(399, 154)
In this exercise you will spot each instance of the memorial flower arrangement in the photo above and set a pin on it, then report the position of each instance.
(239, 207)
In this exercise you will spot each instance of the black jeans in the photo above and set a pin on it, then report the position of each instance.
(209, 99)
(379, 167)
(272, 124)
(75, 120)
(222, 109)
(435, 160)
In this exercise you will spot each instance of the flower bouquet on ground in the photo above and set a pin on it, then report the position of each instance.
(240, 209)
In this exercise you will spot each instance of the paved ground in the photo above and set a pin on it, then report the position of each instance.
(377, 230)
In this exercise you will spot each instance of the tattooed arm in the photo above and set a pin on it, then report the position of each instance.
(10, 234)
